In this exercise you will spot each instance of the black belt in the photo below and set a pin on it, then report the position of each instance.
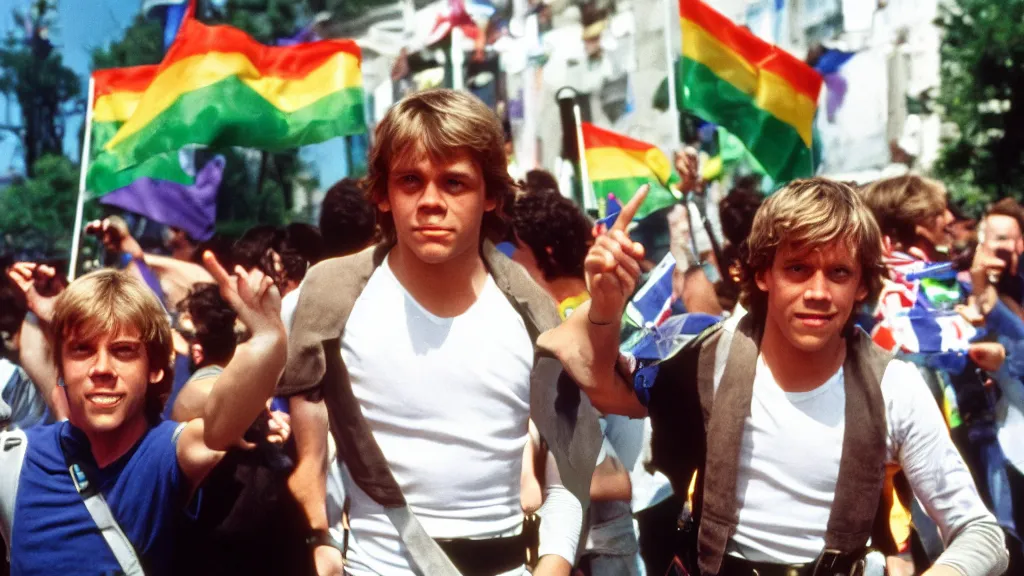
(487, 557)
(828, 564)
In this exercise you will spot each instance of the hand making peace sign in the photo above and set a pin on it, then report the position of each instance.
(252, 295)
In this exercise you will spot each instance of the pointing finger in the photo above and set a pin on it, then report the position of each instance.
(216, 270)
(631, 208)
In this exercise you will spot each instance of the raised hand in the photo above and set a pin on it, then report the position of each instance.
(115, 235)
(40, 285)
(613, 265)
(252, 295)
(687, 164)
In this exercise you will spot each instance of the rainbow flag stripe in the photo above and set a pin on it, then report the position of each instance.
(117, 95)
(218, 87)
(755, 90)
(619, 165)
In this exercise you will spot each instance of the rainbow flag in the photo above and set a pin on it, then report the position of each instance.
(117, 95)
(757, 91)
(619, 165)
(218, 87)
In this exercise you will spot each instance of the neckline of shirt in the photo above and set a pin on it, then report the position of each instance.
(488, 286)
(798, 397)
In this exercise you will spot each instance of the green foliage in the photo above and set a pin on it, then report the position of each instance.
(34, 75)
(342, 9)
(265, 20)
(142, 44)
(38, 214)
(982, 94)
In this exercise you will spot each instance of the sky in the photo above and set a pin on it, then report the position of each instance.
(83, 25)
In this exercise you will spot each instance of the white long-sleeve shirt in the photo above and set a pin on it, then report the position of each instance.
(789, 465)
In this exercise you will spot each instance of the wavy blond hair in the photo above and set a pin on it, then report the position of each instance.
(810, 213)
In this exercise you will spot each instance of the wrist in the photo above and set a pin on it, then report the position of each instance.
(318, 537)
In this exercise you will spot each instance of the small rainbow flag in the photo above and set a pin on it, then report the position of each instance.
(117, 95)
(757, 91)
(619, 165)
(218, 87)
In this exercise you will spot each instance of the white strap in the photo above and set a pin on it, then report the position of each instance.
(12, 453)
(428, 556)
(111, 531)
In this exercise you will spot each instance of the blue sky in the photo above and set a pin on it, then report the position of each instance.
(83, 25)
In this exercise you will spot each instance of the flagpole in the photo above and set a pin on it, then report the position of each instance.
(458, 59)
(670, 58)
(76, 237)
(589, 200)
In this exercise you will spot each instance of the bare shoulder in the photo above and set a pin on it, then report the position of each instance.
(191, 401)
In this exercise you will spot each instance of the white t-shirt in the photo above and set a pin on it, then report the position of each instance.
(448, 402)
(789, 463)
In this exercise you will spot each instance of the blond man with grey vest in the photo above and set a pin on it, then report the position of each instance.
(789, 414)
(422, 350)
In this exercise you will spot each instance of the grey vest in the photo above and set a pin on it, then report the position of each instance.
(697, 428)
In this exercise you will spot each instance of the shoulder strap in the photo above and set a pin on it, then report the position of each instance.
(862, 464)
(100, 512)
(324, 307)
(13, 445)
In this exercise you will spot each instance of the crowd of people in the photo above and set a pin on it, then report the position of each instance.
(438, 380)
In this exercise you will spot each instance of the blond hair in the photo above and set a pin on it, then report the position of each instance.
(808, 214)
(902, 203)
(442, 122)
(106, 301)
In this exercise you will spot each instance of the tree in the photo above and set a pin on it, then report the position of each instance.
(345, 9)
(39, 213)
(142, 44)
(45, 89)
(982, 99)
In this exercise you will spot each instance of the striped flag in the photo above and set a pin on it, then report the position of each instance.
(619, 165)
(117, 92)
(757, 91)
(218, 87)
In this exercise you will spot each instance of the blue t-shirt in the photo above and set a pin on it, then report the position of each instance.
(54, 533)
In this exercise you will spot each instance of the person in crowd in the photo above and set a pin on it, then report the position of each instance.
(248, 523)
(180, 245)
(763, 401)
(348, 222)
(28, 395)
(1000, 235)
(538, 179)
(132, 471)
(208, 323)
(422, 350)
(915, 222)
(169, 277)
(552, 237)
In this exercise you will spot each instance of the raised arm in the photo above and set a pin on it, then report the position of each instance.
(587, 343)
(250, 378)
(35, 344)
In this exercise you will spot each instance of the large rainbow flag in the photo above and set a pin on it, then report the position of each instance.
(117, 92)
(219, 87)
(619, 165)
(757, 91)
